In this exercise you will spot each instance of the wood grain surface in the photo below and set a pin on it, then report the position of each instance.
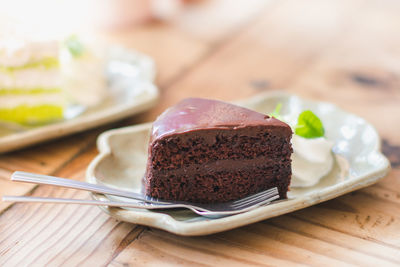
(343, 51)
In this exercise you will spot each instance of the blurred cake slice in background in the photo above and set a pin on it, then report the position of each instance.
(30, 81)
(45, 80)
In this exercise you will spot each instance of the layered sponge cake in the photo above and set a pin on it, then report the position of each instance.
(210, 151)
(30, 81)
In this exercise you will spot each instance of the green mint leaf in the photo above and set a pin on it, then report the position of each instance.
(309, 125)
(74, 46)
(276, 113)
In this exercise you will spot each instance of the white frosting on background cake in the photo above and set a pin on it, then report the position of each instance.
(12, 101)
(84, 77)
(13, 53)
(16, 52)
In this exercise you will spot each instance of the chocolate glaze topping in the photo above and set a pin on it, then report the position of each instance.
(196, 113)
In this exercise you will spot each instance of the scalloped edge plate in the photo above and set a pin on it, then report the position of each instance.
(359, 163)
(140, 90)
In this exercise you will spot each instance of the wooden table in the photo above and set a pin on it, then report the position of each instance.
(341, 51)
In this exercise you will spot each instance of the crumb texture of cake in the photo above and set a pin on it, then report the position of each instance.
(210, 151)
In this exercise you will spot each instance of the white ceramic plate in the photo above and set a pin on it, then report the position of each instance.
(130, 90)
(359, 163)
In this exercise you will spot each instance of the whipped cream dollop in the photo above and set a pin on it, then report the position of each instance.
(312, 159)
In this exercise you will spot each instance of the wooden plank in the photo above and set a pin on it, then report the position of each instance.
(290, 244)
(255, 245)
(51, 234)
(163, 44)
(359, 215)
(359, 72)
(48, 157)
(303, 227)
(9, 188)
(262, 56)
(215, 21)
(45, 159)
(180, 43)
(155, 248)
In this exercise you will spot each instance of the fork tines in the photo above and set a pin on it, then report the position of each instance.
(256, 198)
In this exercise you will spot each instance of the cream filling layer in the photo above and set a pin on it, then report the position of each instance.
(12, 101)
(31, 78)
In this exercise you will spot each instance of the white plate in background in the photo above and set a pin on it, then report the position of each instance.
(130, 78)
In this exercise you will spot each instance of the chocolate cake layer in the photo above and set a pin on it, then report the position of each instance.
(210, 151)
(174, 152)
(219, 186)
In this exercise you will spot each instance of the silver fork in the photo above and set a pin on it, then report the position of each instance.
(209, 210)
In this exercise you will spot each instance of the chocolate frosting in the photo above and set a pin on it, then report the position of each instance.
(197, 113)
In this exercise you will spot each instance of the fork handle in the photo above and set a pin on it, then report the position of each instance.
(62, 182)
(139, 205)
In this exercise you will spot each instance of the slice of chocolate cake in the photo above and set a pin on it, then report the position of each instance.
(210, 151)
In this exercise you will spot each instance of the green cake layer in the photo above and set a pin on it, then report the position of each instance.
(31, 114)
(38, 114)
(30, 91)
(45, 63)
